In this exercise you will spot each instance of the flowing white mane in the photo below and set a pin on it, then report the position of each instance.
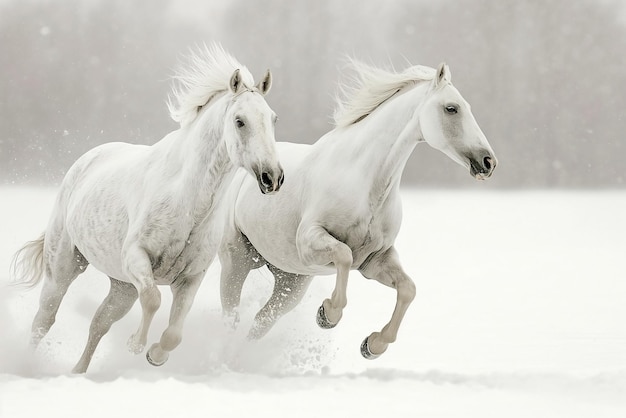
(370, 87)
(207, 72)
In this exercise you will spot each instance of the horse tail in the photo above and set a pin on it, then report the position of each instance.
(27, 266)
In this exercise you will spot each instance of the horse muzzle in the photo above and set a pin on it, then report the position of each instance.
(270, 181)
(482, 167)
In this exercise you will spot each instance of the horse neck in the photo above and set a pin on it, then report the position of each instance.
(382, 143)
(206, 167)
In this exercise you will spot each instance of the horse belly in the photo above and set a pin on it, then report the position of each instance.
(275, 241)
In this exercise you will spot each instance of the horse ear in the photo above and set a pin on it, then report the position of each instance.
(265, 84)
(235, 82)
(443, 74)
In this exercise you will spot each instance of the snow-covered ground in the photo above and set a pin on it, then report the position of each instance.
(521, 312)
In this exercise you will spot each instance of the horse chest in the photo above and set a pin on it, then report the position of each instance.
(364, 236)
(182, 256)
(369, 240)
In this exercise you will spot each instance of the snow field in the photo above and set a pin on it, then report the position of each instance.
(520, 311)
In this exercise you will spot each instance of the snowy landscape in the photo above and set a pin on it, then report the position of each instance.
(520, 312)
(521, 280)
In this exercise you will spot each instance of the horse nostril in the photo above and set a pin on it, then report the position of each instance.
(266, 180)
(488, 163)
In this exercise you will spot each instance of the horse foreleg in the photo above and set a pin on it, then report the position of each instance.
(184, 291)
(139, 271)
(115, 306)
(289, 288)
(317, 247)
(386, 269)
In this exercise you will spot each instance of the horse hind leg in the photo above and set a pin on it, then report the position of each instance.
(289, 288)
(62, 267)
(115, 306)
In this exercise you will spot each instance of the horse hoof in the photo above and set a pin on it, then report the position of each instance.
(152, 361)
(134, 345)
(322, 320)
(366, 352)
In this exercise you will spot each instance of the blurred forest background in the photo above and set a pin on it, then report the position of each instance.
(545, 78)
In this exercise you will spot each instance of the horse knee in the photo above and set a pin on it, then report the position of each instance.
(406, 290)
(342, 255)
(150, 298)
(317, 247)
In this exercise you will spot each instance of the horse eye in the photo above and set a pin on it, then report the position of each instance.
(451, 109)
(275, 119)
(239, 123)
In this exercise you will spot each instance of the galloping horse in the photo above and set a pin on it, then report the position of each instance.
(148, 215)
(341, 209)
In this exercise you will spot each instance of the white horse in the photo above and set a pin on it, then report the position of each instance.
(341, 209)
(148, 215)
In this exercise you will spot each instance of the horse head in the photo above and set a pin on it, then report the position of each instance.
(447, 124)
(249, 132)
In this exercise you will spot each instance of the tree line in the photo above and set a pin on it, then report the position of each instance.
(545, 78)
